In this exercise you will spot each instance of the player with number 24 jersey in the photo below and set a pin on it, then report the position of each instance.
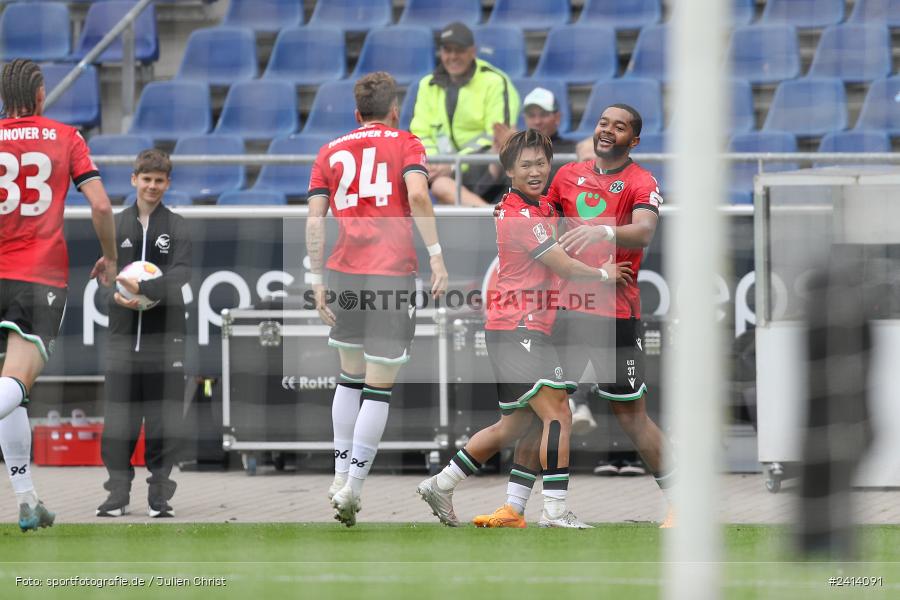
(362, 174)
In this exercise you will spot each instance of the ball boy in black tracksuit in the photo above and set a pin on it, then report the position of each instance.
(145, 370)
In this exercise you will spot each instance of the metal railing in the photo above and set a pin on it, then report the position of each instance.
(125, 28)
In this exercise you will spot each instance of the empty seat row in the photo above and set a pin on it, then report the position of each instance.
(43, 32)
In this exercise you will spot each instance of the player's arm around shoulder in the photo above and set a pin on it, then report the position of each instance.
(423, 216)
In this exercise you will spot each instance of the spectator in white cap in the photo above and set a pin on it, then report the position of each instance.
(541, 112)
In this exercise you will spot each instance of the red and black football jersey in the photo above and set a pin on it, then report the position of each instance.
(38, 158)
(361, 173)
(527, 293)
(587, 196)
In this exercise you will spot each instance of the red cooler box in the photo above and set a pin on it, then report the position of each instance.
(67, 445)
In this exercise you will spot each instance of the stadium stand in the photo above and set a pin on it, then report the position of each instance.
(653, 143)
(620, 15)
(503, 46)
(530, 15)
(332, 110)
(437, 13)
(219, 56)
(742, 173)
(805, 14)
(252, 197)
(644, 94)
(404, 51)
(117, 178)
(742, 115)
(855, 53)
(564, 57)
(743, 12)
(208, 181)
(168, 110)
(408, 105)
(307, 56)
(103, 16)
(560, 92)
(857, 140)
(259, 110)
(80, 104)
(39, 32)
(290, 180)
(808, 107)
(650, 52)
(881, 108)
(879, 12)
(352, 15)
(264, 15)
(765, 53)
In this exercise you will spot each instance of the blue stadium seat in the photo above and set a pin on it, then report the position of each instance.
(405, 51)
(855, 53)
(643, 94)
(332, 111)
(650, 54)
(117, 178)
(857, 140)
(564, 57)
(80, 104)
(743, 118)
(881, 108)
(204, 181)
(102, 16)
(808, 107)
(259, 110)
(438, 13)
(290, 180)
(75, 198)
(39, 32)
(525, 85)
(877, 12)
(503, 46)
(171, 198)
(264, 15)
(530, 14)
(653, 143)
(352, 15)
(620, 15)
(805, 14)
(308, 56)
(742, 173)
(219, 56)
(765, 53)
(251, 197)
(168, 110)
(407, 107)
(742, 12)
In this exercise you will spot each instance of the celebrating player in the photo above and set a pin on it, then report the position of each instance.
(373, 178)
(609, 186)
(38, 157)
(520, 317)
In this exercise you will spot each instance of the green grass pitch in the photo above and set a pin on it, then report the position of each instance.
(263, 561)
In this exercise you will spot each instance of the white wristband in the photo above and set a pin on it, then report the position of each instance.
(604, 275)
(313, 278)
(610, 233)
(434, 249)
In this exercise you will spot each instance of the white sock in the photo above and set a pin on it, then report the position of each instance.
(12, 393)
(344, 409)
(15, 441)
(370, 424)
(556, 488)
(518, 490)
(555, 507)
(449, 477)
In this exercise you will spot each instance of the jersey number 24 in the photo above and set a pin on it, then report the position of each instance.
(368, 187)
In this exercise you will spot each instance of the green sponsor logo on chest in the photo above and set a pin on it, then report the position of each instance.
(589, 205)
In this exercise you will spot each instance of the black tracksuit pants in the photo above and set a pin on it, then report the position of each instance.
(142, 391)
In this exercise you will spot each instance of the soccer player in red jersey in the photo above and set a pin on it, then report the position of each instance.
(520, 319)
(609, 187)
(373, 179)
(38, 158)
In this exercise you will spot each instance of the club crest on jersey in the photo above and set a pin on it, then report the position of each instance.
(540, 233)
(162, 242)
(589, 205)
(526, 343)
(50, 298)
(558, 372)
(581, 180)
(617, 186)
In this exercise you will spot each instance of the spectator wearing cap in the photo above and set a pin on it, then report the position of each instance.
(541, 111)
(457, 107)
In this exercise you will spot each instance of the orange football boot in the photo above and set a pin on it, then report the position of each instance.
(505, 516)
